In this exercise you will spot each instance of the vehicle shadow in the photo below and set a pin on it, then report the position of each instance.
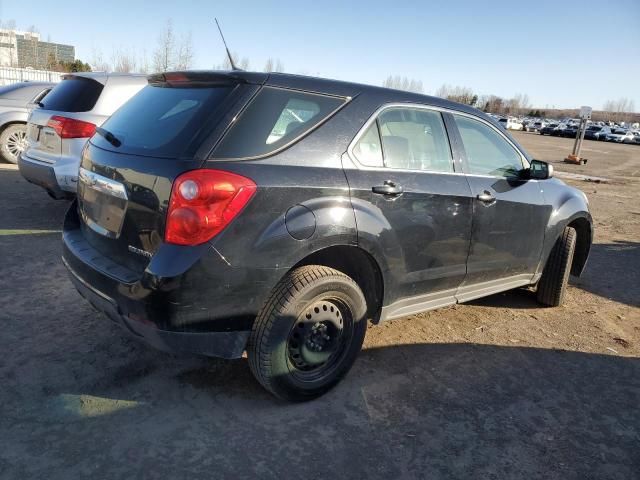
(404, 411)
(28, 207)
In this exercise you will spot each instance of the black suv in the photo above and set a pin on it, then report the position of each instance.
(224, 212)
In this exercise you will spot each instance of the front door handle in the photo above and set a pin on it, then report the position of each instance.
(389, 188)
(486, 197)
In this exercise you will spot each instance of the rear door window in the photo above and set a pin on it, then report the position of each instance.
(74, 94)
(163, 121)
(415, 139)
(274, 119)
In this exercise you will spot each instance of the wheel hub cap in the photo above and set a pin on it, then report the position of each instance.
(316, 335)
(16, 143)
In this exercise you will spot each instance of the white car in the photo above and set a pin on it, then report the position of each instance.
(510, 123)
(514, 124)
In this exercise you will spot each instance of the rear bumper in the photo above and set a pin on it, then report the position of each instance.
(40, 174)
(187, 299)
(214, 344)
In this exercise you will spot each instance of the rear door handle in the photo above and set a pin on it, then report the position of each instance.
(389, 188)
(486, 197)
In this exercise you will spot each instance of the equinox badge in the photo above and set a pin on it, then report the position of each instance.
(139, 251)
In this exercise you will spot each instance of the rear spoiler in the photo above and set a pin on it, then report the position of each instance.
(202, 78)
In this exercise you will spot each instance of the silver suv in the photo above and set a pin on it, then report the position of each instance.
(67, 117)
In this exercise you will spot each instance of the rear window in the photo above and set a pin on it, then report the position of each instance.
(163, 121)
(274, 119)
(75, 94)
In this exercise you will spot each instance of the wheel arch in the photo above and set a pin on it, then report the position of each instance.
(11, 118)
(4, 126)
(583, 229)
(360, 265)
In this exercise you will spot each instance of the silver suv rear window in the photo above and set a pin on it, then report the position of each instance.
(74, 94)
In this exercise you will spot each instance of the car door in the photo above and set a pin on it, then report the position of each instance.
(509, 212)
(412, 204)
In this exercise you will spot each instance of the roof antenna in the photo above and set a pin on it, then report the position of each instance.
(233, 66)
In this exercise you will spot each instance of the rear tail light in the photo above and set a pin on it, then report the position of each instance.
(203, 202)
(67, 127)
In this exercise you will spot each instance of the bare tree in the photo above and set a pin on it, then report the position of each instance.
(273, 65)
(620, 110)
(184, 54)
(457, 94)
(98, 64)
(13, 55)
(144, 63)
(124, 61)
(163, 57)
(242, 64)
(403, 83)
(173, 53)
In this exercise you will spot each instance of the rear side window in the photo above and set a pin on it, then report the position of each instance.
(75, 94)
(163, 121)
(275, 118)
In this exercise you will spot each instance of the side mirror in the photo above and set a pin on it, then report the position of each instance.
(539, 170)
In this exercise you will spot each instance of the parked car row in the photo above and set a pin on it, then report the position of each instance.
(219, 213)
(594, 132)
(569, 128)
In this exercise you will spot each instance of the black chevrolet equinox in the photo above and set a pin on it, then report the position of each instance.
(224, 212)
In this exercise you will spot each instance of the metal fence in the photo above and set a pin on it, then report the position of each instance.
(9, 75)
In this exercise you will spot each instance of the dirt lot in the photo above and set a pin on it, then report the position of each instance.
(499, 388)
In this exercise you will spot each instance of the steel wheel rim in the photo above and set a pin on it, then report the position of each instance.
(311, 355)
(16, 143)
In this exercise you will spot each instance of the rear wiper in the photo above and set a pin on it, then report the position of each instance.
(108, 136)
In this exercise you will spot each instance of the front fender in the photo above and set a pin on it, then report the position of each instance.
(568, 204)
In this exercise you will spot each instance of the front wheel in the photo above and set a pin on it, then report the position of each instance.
(13, 141)
(555, 276)
(308, 334)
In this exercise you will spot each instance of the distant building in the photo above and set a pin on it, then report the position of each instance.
(26, 50)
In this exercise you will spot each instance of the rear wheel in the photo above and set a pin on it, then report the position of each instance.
(555, 276)
(308, 334)
(13, 141)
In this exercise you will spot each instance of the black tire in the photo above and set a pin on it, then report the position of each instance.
(283, 346)
(555, 276)
(12, 142)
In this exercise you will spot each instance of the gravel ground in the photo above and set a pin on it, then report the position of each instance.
(498, 388)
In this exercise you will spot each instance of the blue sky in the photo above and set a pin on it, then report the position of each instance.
(497, 47)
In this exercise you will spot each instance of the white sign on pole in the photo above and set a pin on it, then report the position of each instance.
(585, 112)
